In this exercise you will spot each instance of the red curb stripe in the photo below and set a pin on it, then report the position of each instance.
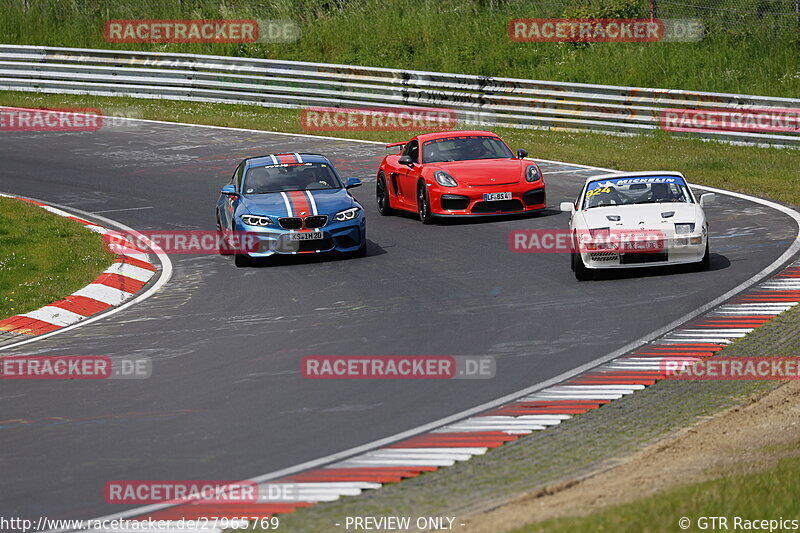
(29, 326)
(135, 262)
(194, 512)
(534, 411)
(81, 305)
(122, 283)
(40, 204)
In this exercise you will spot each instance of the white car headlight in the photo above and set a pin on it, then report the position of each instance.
(347, 214)
(444, 179)
(532, 173)
(256, 220)
(683, 229)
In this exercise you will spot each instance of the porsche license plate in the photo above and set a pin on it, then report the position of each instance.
(306, 236)
(495, 196)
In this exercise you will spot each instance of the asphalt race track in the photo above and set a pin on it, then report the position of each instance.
(226, 399)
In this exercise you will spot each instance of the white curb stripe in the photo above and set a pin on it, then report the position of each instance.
(55, 316)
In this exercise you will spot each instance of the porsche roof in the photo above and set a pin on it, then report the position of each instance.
(442, 134)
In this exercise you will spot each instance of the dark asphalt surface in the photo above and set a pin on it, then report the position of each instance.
(226, 399)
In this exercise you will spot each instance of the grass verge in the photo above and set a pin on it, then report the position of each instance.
(741, 54)
(765, 172)
(44, 257)
(770, 494)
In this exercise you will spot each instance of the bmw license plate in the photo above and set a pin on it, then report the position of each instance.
(495, 196)
(305, 236)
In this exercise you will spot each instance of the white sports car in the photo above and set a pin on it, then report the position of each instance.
(637, 219)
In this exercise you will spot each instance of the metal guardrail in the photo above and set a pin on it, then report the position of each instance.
(292, 84)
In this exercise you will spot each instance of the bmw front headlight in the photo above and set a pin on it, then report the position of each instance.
(683, 229)
(532, 173)
(347, 214)
(444, 179)
(256, 220)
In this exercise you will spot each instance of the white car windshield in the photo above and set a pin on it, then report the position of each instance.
(636, 190)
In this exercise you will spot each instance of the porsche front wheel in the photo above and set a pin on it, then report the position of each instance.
(382, 196)
(423, 204)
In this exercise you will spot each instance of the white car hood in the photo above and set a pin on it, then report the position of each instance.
(642, 216)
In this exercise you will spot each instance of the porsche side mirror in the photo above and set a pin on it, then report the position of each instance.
(522, 153)
(406, 160)
(567, 207)
(707, 198)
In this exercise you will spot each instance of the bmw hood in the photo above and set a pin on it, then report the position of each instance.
(298, 203)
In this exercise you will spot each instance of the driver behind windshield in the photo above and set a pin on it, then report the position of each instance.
(662, 192)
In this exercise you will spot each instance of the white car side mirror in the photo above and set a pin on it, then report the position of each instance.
(707, 198)
(567, 207)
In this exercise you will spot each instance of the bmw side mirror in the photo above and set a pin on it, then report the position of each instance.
(522, 153)
(707, 198)
(567, 207)
(352, 182)
(228, 190)
(406, 160)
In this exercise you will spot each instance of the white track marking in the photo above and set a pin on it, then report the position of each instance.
(121, 210)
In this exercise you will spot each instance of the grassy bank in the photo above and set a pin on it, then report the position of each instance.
(751, 55)
(43, 257)
(766, 172)
(770, 494)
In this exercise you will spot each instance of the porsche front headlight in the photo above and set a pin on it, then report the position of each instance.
(347, 214)
(444, 179)
(532, 173)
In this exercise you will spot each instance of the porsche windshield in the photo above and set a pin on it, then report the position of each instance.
(630, 191)
(292, 177)
(464, 148)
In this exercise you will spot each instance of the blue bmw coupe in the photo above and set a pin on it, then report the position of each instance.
(289, 204)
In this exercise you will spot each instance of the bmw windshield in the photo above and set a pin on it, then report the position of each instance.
(464, 148)
(636, 190)
(266, 179)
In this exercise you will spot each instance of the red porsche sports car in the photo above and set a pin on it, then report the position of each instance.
(458, 173)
